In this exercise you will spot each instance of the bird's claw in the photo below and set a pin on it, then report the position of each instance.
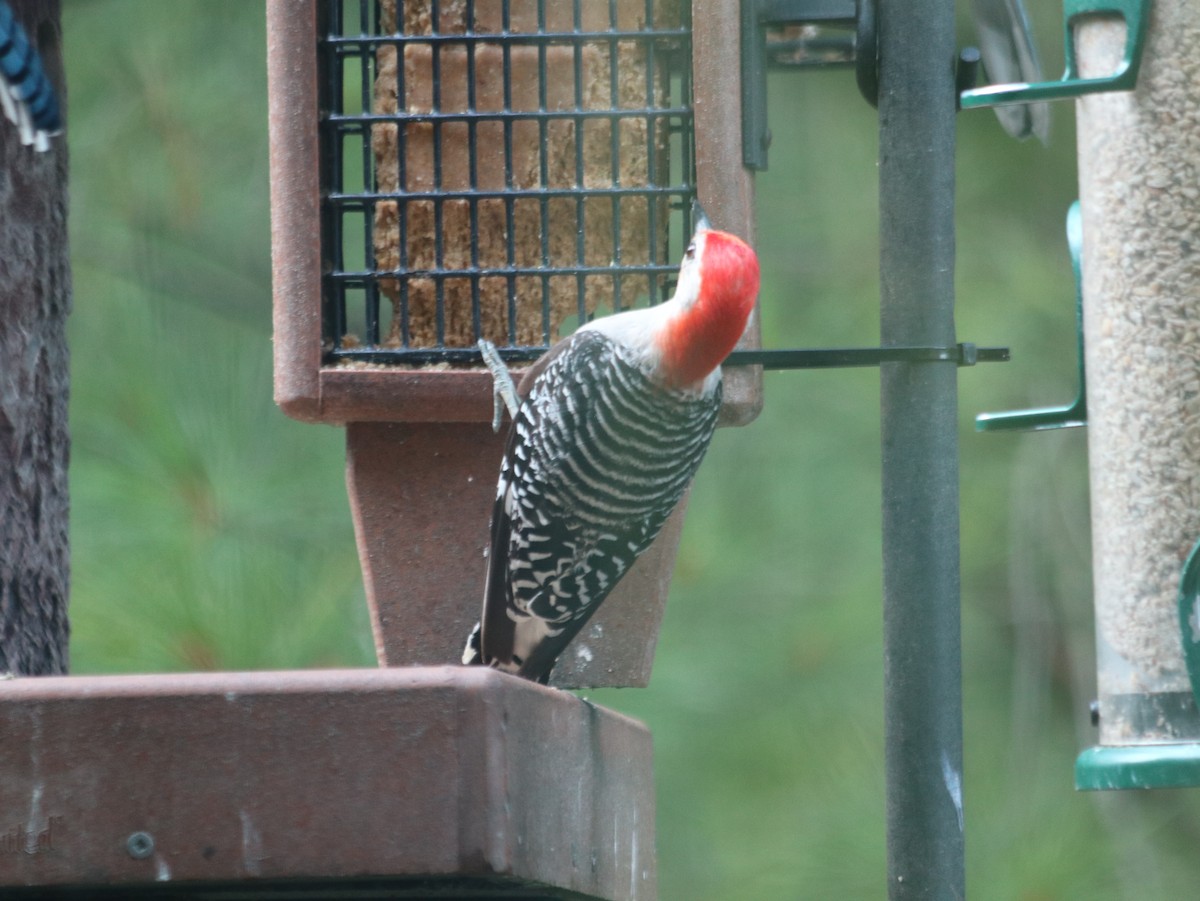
(504, 390)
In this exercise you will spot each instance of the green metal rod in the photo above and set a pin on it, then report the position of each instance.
(921, 616)
(1073, 414)
(1136, 13)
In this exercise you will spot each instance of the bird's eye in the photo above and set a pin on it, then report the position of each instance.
(690, 253)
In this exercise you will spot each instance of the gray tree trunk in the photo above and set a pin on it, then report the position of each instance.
(35, 297)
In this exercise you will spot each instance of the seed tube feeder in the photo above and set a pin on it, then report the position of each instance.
(1141, 282)
(498, 169)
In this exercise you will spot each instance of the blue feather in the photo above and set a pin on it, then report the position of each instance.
(26, 95)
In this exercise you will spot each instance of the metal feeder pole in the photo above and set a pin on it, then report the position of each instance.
(922, 641)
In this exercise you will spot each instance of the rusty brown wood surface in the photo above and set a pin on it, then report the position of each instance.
(407, 395)
(341, 777)
(725, 187)
(421, 496)
(295, 205)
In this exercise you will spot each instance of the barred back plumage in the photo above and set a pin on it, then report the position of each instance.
(615, 422)
(598, 457)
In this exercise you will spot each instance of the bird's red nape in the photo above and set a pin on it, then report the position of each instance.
(697, 340)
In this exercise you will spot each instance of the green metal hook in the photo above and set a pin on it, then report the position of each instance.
(1134, 12)
(1073, 414)
(1189, 618)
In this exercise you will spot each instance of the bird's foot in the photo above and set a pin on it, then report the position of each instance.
(504, 389)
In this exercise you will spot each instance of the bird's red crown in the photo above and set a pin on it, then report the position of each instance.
(701, 336)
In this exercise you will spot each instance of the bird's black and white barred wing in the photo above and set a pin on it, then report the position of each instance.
(597, 459)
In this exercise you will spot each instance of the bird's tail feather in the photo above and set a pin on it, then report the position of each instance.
(471, 653)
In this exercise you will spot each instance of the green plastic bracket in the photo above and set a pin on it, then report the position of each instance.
(1172, 765)
(1073, 414)
(1134, 12)
(1189, 618)
(1168, 764)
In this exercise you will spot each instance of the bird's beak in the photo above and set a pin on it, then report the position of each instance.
(700, 221)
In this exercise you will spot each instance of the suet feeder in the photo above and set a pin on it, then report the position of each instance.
(445, 172)
(498, 169)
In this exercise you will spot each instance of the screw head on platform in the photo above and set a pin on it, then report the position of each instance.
(140, 845)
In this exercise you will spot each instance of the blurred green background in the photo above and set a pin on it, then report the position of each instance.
(210, 532)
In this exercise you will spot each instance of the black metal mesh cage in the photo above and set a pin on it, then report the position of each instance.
(503, 169)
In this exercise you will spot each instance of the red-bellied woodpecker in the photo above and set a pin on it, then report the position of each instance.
(615, 420)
